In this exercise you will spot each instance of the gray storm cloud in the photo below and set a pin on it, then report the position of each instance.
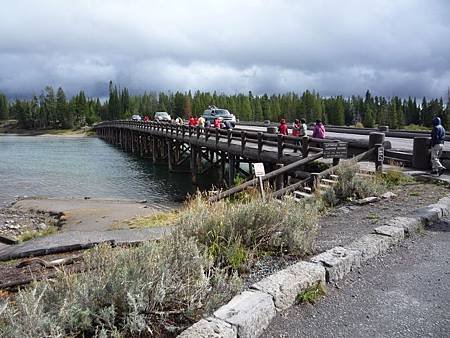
(334, 47)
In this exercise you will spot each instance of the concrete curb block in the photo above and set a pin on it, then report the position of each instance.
(250, 313)
(338, 262)
(397, 234)
(410, 225)
(285, 285)
(210, 327)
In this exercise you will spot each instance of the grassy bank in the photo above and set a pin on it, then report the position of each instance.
(157, 289)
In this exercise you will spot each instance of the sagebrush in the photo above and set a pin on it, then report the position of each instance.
(139, 291)
(162, 287)
(229, 231)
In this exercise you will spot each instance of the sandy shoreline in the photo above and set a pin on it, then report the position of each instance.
(39, 134)
(74, 214)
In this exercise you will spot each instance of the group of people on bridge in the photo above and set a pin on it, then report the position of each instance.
(299, 128)
(194, 121)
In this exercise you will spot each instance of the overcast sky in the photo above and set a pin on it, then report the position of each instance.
(399, 47)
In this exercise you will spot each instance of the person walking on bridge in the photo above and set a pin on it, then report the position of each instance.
(437, 144)
(283, 127)
(296, 132)
(319, 130)
(303, 128)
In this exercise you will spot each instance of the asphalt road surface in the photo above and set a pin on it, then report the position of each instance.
(405, 293)
(402, 144)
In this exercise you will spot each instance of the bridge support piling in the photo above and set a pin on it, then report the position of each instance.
(231, 169)
(170, 155)
(222, 166)
(154, 150)
(279, 181)
(132, 142)
(193, 164)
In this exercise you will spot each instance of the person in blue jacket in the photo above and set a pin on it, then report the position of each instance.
(437, 144)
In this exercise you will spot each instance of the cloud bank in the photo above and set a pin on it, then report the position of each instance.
(274, 46)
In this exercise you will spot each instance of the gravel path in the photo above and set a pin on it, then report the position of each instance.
(349, 222)
(405, 293)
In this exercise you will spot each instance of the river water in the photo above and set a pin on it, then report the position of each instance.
(79, 167)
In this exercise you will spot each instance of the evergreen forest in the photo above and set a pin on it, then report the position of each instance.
(53, 109)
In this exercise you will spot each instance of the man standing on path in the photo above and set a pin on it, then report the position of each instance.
(437, 144)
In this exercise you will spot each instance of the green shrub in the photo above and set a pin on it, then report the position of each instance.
(31, 234)
(229, 232)
(416, 127)
(122, 292)
(351, 186)
(311, 294)
(395, 177)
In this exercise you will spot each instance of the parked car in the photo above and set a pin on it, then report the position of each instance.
(162, 116)
(213, 112)
(136, 117)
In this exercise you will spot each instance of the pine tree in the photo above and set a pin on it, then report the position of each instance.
(125, 110)
(4, 112)
(62, 109)
(187, 105)
(368, 120)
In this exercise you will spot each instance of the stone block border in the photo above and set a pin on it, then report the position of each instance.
(250, 313)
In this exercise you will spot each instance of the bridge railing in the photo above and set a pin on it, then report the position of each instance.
(259, 140)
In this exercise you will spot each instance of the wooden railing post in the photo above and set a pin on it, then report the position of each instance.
(260, 144)
(279, 180)
(315, 180)
(217, 137)
(379, 157)
(229, 137)
(305, 146)
(243, 141)
(280, 146)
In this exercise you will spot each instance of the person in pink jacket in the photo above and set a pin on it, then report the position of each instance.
(319, 130)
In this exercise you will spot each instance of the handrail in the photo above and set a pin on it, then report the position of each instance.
(293, 187)
(245, 137)
(270, 175)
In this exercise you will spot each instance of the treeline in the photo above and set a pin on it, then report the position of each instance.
(51, 110)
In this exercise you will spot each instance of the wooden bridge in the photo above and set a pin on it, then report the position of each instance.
(284, 156)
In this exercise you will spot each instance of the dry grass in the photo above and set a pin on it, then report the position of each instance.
(143, 291)
(31, 234)
(156, 220)
(232, 231)
(159, 288)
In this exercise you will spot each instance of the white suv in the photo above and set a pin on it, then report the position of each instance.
(162, 116)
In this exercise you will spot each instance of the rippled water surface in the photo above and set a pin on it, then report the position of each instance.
(79, 167)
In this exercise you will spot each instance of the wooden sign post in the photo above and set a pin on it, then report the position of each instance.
(335, 150)
(260, 173)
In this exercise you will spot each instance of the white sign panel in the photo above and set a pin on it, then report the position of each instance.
(259, 169)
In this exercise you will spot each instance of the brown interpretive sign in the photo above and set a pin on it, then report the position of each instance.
(335, 150)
